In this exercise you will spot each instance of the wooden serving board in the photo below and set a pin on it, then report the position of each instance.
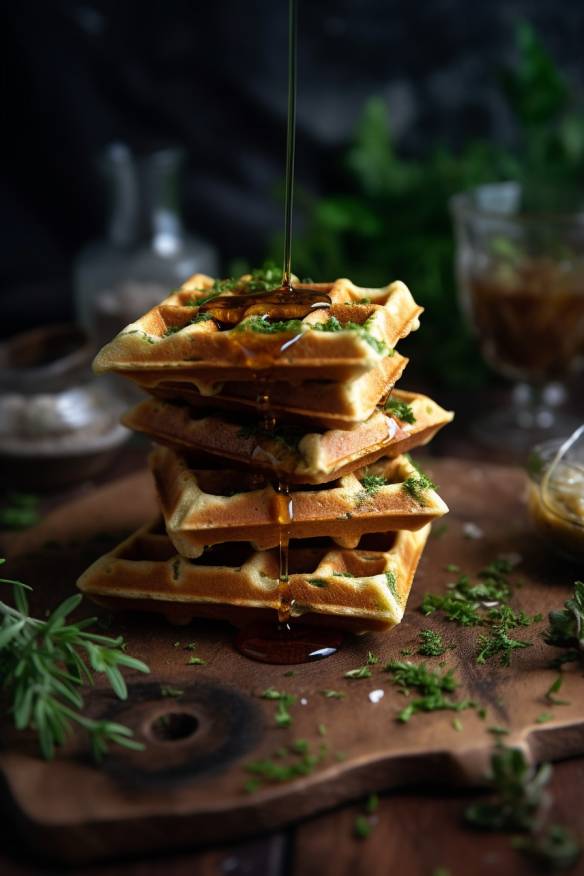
(188, 790)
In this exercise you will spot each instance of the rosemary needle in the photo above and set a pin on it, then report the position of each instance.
(44, 665)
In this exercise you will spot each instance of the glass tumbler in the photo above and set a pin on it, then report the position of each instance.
(520, 276)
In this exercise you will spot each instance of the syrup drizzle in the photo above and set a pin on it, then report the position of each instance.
(279, 643)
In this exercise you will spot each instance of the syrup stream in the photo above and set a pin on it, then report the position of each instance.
(280, 643)
(290, 140)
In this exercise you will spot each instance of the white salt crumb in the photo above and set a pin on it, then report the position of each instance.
(303, 701)
(471, 530)
(376, 695)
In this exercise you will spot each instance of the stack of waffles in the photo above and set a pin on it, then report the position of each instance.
(275, 437)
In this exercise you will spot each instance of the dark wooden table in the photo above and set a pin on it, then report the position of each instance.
(416, 833)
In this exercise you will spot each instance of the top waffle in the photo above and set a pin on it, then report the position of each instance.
(357, 332)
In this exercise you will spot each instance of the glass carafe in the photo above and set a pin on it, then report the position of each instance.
(146, 253)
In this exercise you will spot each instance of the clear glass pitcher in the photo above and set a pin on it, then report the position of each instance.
(146, 253)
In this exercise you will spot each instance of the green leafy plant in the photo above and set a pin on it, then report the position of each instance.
(390, 218)
(44, 665)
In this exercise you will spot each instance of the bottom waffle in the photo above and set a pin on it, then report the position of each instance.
(361, 590)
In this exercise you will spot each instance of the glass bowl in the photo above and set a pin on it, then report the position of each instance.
(556, 494)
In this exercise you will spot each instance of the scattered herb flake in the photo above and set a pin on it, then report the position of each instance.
(361, 672)
(401, 409)
(168, 691)
(431, 644)
(362, 827)
(431, 685)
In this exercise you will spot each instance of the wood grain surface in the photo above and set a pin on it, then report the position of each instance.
(190, 791)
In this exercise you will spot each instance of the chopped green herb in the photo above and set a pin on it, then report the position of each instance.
(20, 511)
(498, 643)
(482, 713)
(196, 661)
(321, 729)
(431, 644)
(262, 325)
(201, 317)
(550, 694)
(361, 672)
(391, 579)
(453, 568)
(362, 827)
(289, 674)
(283, 716)
(498, 731)
(431, 685)
(168, 691)
(457, 725)
(334, 694)
(372, 658)
(370, 486)
(402, 410)
(417, 486)
(544, 717)
(300, 746)
(272, 694)
(302, 764)
(318, 582)
(343, 575)
(252, 785)
(372, 804)
(333, 325)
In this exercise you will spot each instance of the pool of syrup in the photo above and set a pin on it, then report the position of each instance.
(287, 643)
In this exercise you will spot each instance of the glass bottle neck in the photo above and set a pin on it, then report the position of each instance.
(144, 199)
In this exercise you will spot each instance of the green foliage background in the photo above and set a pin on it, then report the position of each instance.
(391, 220)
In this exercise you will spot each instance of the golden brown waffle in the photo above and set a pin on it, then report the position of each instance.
(324, 403)
(203, 507)
(299, 456)
(361, 590)
(362, 326)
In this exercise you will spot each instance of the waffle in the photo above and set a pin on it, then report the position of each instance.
(300, 457)
(328, 404)
(360, 590)
(203, 507)
(357, 332)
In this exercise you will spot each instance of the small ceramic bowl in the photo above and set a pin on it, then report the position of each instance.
(58, 423)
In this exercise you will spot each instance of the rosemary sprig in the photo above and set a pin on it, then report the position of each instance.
(520, 803)
(566, 627)
(520, 793)
(44, 664)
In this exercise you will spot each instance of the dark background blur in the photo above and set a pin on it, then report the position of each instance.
(212, 77)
